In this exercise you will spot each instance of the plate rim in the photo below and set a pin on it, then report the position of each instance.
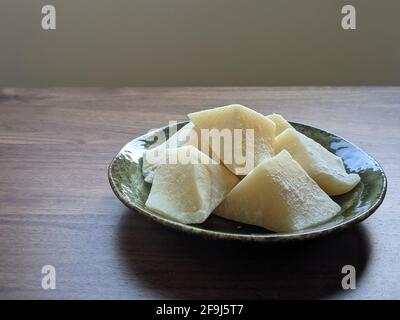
(270, 237)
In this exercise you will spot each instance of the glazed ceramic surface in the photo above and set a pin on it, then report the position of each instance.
(125, 176)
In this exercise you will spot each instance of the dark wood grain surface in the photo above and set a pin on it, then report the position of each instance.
(56, 206)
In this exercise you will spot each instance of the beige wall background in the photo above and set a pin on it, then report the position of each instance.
(199, 42)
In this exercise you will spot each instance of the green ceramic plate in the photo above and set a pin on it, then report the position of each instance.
(127, 183)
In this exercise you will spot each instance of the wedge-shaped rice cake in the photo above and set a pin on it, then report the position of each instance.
(153, 157)
(190, 186)
(323, 166)
(278, 195)
(239, 154)
(280, 123)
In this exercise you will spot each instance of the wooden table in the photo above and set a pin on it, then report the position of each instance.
(56, 206)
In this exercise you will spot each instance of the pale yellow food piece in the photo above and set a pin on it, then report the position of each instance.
(323, 166)
(280, 123)
(280, 196)
(152, 158)
(239, 155)
(189, 189)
